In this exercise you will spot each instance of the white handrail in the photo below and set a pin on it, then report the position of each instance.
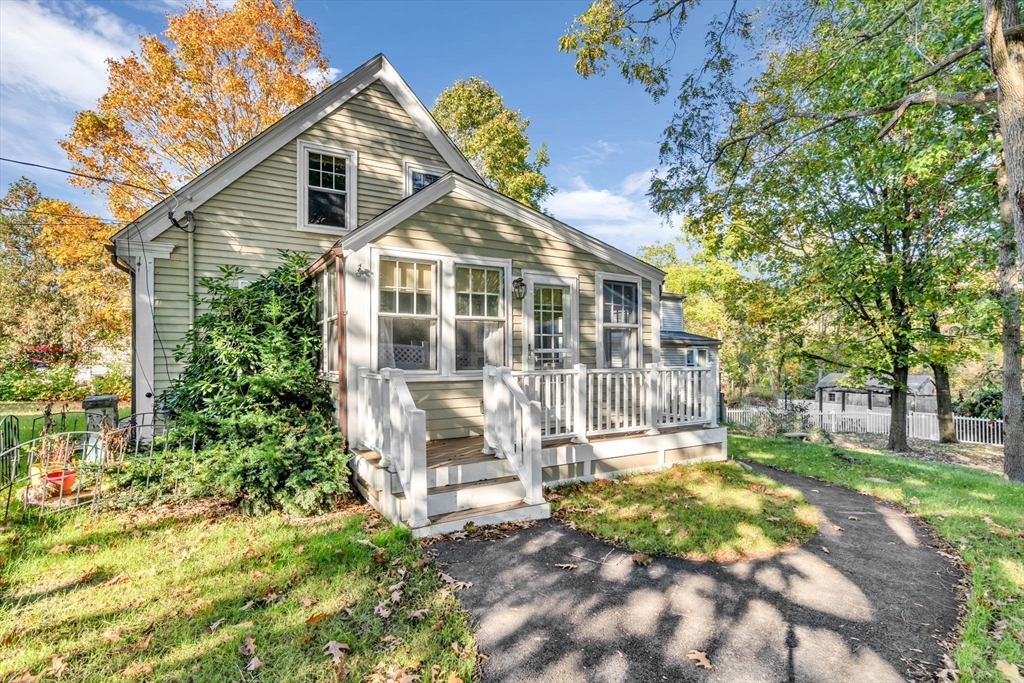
(512, 429)
(391, 425)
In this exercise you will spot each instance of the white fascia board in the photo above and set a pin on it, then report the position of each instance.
(127, 248)
(201, 189)
(377, 226)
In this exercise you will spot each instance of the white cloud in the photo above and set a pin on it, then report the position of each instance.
(312, 75)
(58, 53)
(619, 215)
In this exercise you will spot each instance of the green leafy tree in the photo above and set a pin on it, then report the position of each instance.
(493, 137)
(250, 390)
(930, 75)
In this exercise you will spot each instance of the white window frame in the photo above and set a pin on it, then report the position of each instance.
(435, 301)
(407, 170)
(505, 266)
(303, 149)
(601, 277)
(444, 275)
(325, 321)
(542, 277)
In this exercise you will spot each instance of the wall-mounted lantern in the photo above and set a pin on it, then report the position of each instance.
(519, 288)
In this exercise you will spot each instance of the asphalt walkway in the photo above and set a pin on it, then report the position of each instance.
(874, 608)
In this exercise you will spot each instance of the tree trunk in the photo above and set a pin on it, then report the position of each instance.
(1013, 421)
(944, 401)
(898, 421)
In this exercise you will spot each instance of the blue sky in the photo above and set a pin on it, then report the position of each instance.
(602, 134)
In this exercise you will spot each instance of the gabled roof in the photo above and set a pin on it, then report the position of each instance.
(835, 380)
(245, 158)
(453, 183)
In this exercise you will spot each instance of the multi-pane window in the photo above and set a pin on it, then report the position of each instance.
(551, 328)
(326, 189)
(327, 314)
(621, 324)
(421, 179)
(479, 317)
(407, 324)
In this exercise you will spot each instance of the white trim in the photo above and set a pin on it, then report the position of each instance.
(655, 322)
(600, 277)
(129, 248)
(302, 187)
(445, 302)
(456, 184)
(201, 189)
(408, 166)
(544, 277)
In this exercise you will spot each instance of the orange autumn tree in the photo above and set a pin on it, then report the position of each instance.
(214, 80)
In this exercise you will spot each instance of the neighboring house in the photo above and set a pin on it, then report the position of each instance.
(831, 391)
(476, 348)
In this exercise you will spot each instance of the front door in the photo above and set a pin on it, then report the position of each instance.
(550, 322)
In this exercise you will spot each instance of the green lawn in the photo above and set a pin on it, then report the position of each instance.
(170, 594)
(712, 511)
(30, 413)
(979, 513)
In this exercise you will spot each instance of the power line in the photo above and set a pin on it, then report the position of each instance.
(85, 217)
(83, 175)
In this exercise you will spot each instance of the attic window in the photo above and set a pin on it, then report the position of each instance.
(327, 188)
(419, 176)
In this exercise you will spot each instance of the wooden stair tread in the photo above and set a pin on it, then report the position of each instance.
(475, 512)
(472, 484)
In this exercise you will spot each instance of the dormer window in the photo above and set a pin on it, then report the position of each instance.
(327, 179)
(419, 176)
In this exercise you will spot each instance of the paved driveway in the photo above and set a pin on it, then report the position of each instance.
(874, 608)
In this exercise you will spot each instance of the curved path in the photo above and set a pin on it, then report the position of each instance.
(874, 608)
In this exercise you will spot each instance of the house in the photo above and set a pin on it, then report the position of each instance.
(874, 394)
(477, 349)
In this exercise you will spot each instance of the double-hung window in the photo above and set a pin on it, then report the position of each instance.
(326, 188)
(327, 313)
(620, 324)
(479, 317)
(407, 320)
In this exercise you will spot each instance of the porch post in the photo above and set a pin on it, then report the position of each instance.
(490, 411)
(416, 436)
(580, 407)
(386, 413)
(713, 393)
(532, 466)
(363, 428)
(654, 407)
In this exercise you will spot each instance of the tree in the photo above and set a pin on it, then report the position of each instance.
(493, 138)
(57, 285)
(217, 79)
(823, 66)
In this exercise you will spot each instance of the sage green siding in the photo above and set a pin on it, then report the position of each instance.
(456, 225)
(250, 220)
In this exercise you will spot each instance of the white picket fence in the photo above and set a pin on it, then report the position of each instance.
(977, 430)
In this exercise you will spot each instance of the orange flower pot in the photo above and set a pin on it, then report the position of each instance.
(62, 480)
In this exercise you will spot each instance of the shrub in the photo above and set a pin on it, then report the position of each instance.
(23, 381)
(250, 391)
(984, 401)
(117, 381)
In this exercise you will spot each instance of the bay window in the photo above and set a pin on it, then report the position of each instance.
(479, 317)
(407, 315)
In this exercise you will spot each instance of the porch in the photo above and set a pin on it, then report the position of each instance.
(539, 428)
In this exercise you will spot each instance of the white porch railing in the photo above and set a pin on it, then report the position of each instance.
(392, 426)
(512, 429)
(582, 403)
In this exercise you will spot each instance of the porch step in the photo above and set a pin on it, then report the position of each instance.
(513, 511)
(442, 500)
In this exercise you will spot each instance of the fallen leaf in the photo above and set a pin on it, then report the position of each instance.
(773, 519)
(566, 566)
(215, 625)
(455, 646)
(248, 605)
(248, 646)
(457, 585)
(318, 617)
(57, 665)
(299, 548)
(699, 658)
(1009, 671)
(62, 548)
(309, 602)
(120, 578)
(856, 519)
(8, 638)
(642, 559)
(420, 562)
(143, 644)
(136, 668)
(253, 664)
(379, 610)
(836, 527)
(111, 635)
(27, 677)
(418, 613)
(452, 678)
(335, 651)
(824, 549)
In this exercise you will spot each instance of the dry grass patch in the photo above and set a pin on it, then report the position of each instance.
(713, 511)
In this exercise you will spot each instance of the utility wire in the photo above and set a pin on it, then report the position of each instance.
(83, 175)
(96, 219)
